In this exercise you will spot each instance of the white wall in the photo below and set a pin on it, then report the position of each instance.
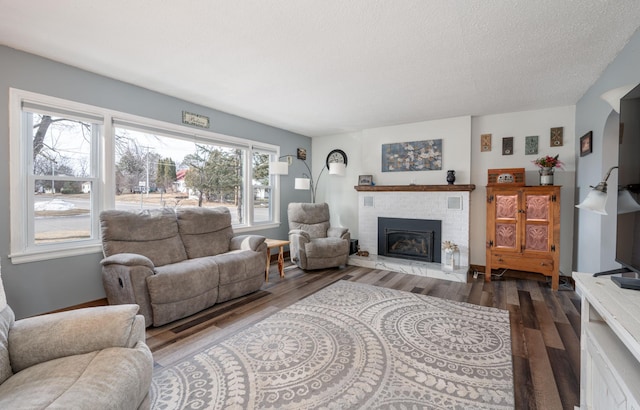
(519, 125)
(461, 151)
(364, 151)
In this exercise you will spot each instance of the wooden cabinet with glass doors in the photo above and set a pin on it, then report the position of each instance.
(523, 230)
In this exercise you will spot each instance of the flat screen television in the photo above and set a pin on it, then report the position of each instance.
(628, 223)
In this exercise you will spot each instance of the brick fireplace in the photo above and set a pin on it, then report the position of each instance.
(447, 204)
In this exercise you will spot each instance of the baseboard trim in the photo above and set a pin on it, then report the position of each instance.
(93, 303)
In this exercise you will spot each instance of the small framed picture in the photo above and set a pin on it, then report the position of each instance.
(365, 180)
(556, 136)
(485, 142)
(301, 154)
(586, 146)
(507, 146)
(531, 145)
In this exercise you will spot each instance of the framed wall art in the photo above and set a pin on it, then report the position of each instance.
(531, 145)
(365, 180)
(485, 142)
(586, 144)
(556, 136)
(507, 146)
(412, 156)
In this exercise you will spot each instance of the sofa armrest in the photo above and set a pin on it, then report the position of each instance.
(246, 242)
(42, 338)
(128, 259)
(338, 232)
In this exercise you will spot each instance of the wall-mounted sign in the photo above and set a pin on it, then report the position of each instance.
(198, 120)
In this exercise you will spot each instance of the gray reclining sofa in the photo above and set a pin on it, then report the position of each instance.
(176, 263)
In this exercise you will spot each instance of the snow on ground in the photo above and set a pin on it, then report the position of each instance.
(53, 205)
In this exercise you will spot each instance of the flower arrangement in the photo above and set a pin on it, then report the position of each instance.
(549, 162)
(449, 246)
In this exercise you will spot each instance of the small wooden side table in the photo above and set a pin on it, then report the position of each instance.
(275, 243)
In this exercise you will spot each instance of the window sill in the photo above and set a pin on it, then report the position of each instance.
(27, 257)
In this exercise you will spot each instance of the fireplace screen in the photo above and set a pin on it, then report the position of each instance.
(409, 238)
(409, 244)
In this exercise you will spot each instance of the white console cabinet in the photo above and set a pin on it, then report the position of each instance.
(609, 344)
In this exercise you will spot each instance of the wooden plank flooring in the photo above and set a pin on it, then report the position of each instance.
(545, 325)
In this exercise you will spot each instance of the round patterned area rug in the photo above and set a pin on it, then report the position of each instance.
(352, 346)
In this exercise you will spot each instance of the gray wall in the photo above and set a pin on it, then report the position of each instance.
(34, 288)
(594, 244)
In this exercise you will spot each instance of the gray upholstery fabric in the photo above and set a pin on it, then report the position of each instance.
(315, 244)
(205, 231)
(182, 289)
(6, 320)
(172, 290)
(113, 378)
(100, 327)
(152, 233)
(311, 218)
(92, 358)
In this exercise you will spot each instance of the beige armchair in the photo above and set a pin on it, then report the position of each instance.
(93, 358)
(315, 244)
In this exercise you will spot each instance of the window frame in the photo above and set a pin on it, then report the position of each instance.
(23, 247)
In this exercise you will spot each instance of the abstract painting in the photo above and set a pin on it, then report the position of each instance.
(412, 156)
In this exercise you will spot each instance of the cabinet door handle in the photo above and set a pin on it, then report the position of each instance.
(500, 260)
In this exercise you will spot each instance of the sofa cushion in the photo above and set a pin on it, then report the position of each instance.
(236, 266)
(311, 218)
(152, 233)
(182, 289)
(6, 320)
(205, 231)
(112, 378)
(326, 247)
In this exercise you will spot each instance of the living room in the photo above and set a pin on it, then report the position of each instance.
(39, 287)
(43, 286)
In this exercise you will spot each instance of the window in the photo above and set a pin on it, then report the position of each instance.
(76, 160)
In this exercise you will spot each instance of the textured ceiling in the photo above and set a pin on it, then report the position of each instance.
(328, 66)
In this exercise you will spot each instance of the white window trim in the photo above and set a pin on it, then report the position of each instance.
(105, 197)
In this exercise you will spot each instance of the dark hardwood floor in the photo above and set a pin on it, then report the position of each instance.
(545, 325)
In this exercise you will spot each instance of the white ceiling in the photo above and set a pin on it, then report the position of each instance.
(328, 66)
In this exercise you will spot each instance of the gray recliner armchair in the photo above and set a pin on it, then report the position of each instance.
(315, 244)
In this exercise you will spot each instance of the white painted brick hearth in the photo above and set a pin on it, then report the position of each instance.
(450, 207)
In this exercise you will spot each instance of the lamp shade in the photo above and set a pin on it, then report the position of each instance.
(337, 168)
(626, 203)
(613, 96)
(303, 183)
(594, 202)
(278, 168)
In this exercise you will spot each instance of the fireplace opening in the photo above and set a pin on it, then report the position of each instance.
(415, 239)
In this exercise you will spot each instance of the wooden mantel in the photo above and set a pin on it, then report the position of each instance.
(414, 188)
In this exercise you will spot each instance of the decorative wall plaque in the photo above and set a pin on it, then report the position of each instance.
(198, 120)
(485, 142)
(556, 136)
(507, 146)
(531, 145)
(301, 153)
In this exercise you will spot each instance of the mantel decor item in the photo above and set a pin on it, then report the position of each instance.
(451, 176)
(547, 166)
(365, 180)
